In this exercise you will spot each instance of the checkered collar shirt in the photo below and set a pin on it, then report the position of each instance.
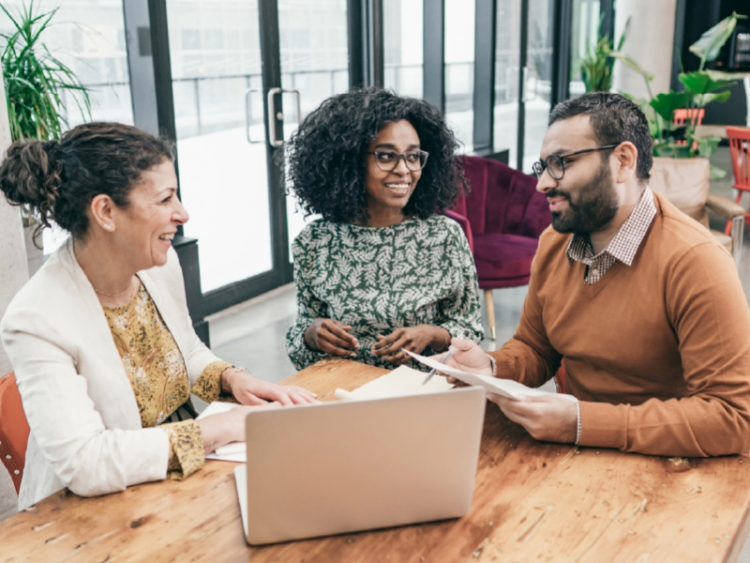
(622, 247)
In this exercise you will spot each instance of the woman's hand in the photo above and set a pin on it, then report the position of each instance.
(249, 390)
(412, 338)
(331, 337)
(221, 429)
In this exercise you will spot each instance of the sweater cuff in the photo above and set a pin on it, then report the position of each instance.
(603, 425)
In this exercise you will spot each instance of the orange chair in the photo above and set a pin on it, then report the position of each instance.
(693, 116)
(739, 149)
(14, 429)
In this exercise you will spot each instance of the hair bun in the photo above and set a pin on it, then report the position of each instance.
(31, 175)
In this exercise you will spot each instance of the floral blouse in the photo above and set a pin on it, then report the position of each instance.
(159, 378)
(379, 279)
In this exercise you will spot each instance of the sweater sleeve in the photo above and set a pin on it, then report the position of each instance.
(462, 314)
(309, 307)
(529, 357)
(710, 318)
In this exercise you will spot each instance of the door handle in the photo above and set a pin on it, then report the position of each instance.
(249, 114)
(274, 116)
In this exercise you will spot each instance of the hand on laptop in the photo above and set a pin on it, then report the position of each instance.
(332, 337)
(249, 390)
(221, 429)
(551, 418)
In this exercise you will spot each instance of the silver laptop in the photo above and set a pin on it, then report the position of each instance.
(357, 465)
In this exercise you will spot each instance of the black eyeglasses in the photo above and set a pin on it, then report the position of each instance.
(555, 164)
(387, 160)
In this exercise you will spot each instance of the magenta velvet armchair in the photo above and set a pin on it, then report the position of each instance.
(502, 217)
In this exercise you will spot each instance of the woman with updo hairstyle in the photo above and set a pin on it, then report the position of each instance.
(382, 271)
(100, 338)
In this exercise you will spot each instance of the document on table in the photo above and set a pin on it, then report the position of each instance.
(504, 387)
(401, 381)
(235, 451)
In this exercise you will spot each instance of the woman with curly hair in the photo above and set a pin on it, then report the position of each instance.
(382, 270)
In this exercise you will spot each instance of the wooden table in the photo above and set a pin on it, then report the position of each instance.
(533, 502)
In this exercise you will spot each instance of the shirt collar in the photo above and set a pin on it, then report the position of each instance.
(626, 242)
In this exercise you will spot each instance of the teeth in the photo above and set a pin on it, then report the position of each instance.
(166, 237)
(397, 186)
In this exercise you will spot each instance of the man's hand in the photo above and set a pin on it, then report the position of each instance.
(249, 390)
(467, 356)
(331, 337)
(412, 338)
(551, 418)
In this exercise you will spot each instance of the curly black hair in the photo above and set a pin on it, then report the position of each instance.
(326, 166)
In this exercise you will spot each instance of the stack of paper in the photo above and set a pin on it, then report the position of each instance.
(504, 387)
(401, 381)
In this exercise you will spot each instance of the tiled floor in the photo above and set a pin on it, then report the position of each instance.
(252, 334)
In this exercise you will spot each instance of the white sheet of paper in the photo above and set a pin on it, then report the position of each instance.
(504, 387)
(401, 381)
(236, 451)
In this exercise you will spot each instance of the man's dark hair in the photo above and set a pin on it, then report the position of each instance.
(326, 167)
(614, 119)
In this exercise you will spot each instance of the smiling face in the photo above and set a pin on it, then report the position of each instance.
(388, 192)
(584, 201)
(145, 228)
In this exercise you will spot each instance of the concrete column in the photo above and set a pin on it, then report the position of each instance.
(650, 43)
(14, 269)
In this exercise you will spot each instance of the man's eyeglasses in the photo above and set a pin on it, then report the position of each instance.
(387, 160)
(555, 164)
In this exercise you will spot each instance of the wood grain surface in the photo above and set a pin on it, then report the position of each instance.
(533, 502)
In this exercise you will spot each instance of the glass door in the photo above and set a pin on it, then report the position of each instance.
(523, 78)
(313, 48)
(243, 75)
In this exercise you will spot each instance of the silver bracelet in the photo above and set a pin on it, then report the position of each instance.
(579, 424)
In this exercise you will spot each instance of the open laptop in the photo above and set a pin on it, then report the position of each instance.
(356, 465)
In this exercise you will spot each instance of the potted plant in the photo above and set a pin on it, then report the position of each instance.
(699, 89)
(597, 65)
(35, 81)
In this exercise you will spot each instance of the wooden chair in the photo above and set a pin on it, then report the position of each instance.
(14, 429)
(686, 183)
(691, 116)
(739, 149)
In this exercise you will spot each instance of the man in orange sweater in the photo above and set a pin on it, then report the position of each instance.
(641, 302)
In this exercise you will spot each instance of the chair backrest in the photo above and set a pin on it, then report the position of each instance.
(685, 182)
(502, 200)
(739, 148)
(14, 429)
(693, 115)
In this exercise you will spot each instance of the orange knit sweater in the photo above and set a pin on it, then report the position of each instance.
(658, 353)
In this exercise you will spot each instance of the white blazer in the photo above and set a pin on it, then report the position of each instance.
(86, 431)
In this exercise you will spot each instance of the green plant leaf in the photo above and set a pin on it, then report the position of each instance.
(665, 103)
(632, 65)
(707, 145)
(701, 82)
(710, 43)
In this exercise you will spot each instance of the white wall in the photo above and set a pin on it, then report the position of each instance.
(13, 265)
(650, 43)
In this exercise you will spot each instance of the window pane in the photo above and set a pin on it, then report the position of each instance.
(584, 37)
(89, 37)
(507, 63)
(215, 58)
(403, 43)
(314, 61)
(459, 69)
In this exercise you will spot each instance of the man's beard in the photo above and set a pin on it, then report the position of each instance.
(595, 205)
